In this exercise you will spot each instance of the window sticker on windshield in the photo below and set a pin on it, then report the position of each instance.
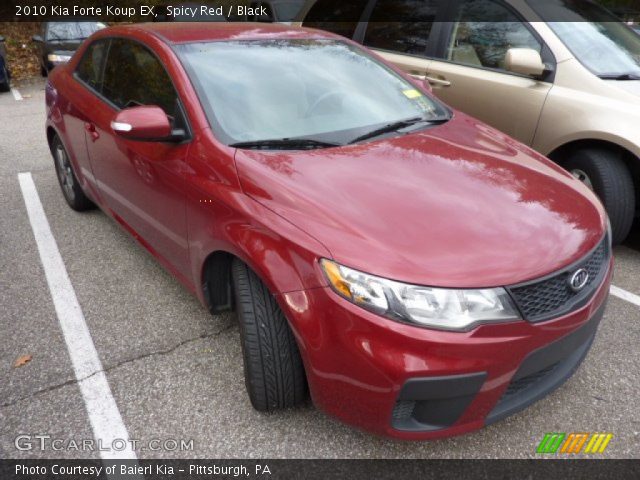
(412, 93)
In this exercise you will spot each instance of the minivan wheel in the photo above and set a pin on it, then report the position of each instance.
(273, 370)
(605, 173)
(67, 179)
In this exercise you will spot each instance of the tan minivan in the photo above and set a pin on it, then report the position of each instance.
(569, 88)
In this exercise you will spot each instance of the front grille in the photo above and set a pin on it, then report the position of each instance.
(553, 296)
(403, 409)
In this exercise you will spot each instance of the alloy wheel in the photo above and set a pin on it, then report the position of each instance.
(65, 174)
(583, 177)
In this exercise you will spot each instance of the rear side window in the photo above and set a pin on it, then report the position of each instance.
(134, 76)
(402, 37)
(90, 66)
(336, 16)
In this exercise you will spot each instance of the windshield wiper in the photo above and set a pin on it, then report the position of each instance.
(285, 144)
(392, 127)
(620, 76)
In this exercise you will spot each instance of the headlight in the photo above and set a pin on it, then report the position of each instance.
(440, 308)
(55, 58)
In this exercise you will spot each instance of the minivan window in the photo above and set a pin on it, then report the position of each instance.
(287, 11)
(72, 30)
(258, 90)
(134, 76)
(262, 6)
(403, 37)
(596, 37)
(335, 16)
(91, 63)
(488, 31)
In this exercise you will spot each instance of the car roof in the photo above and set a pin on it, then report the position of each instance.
(191, 32)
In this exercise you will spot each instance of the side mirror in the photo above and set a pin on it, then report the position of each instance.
(37, 39)
(524, 61)
(1, 39)
(145, 123)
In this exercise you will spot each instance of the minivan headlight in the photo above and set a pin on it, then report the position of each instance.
(440, 308)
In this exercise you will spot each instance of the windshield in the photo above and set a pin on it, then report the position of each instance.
(281, 89)
(72, 30)
(603, 44)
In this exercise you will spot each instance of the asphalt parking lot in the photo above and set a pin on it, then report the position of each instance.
(175, 371)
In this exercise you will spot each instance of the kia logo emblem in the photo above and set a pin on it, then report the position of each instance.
(578, 280)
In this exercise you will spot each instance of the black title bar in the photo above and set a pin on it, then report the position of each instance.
(320, 11)
(319, 469)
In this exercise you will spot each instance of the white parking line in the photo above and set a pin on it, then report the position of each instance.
(623, 294)
(101, 407)
(16, 94)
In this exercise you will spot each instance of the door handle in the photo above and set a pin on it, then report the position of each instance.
(438, 82)
(417, 75)
(91, 130)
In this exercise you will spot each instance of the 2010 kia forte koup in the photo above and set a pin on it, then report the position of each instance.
(420, 273)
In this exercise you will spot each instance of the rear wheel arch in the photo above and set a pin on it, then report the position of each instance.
(67, 176)
(51, 133)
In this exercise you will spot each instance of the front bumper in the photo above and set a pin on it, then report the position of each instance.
(414, 383)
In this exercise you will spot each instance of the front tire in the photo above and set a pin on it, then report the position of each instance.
(67, 178)
(608, 176)
(273, 370)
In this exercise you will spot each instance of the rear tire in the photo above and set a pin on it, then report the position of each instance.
(609, 177)
(71, 189)
(273, 370)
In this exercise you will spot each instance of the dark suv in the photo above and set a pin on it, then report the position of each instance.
(5, 76)
(58, 41)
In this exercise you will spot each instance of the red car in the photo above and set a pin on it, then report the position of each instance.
(420, 273)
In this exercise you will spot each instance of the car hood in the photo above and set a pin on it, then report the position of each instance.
(459, 205)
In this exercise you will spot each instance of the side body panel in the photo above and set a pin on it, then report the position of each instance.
(222, 218)
(584, 107)
(510, 103)
(70, 106)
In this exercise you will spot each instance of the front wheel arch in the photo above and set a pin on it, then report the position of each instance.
(626, 162)
(631, 160)
(219, 275)
(216, 284)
